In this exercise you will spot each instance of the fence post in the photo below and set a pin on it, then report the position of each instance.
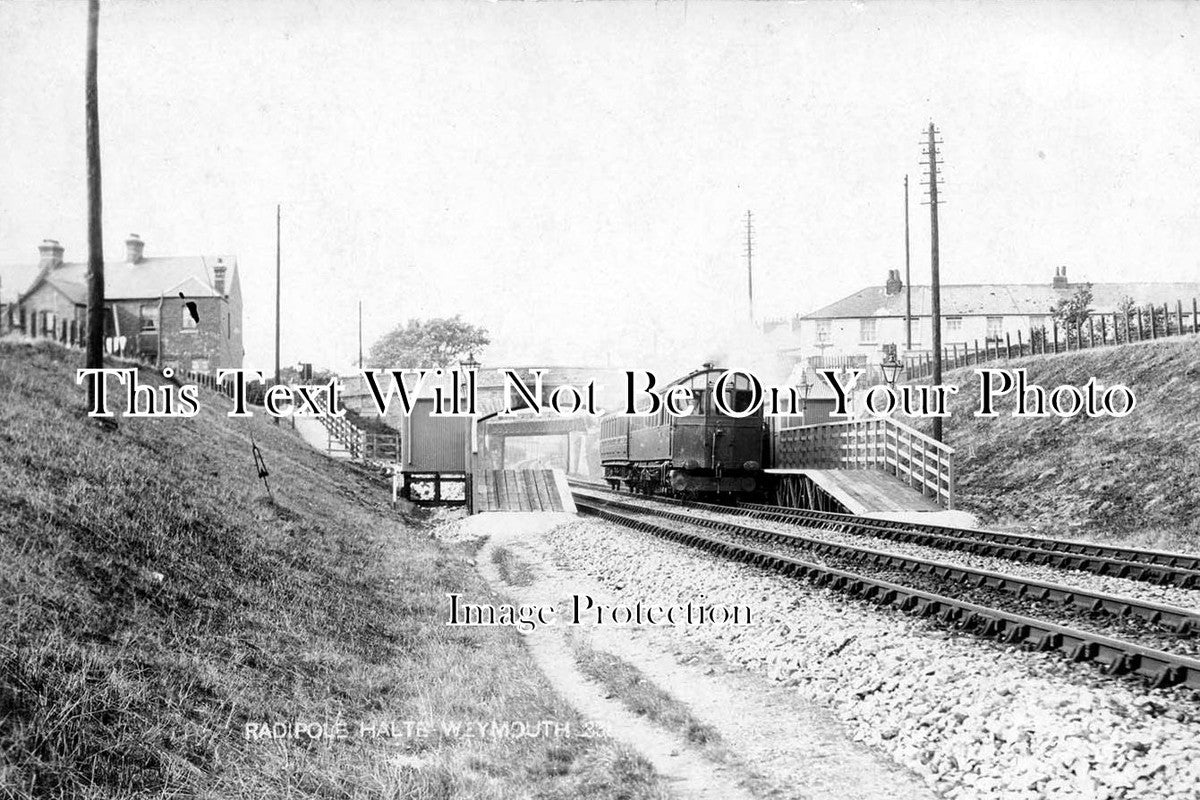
(1020, 344)
(1054, 325)
(1194, 315)
(1007, 346)
(1166, 320)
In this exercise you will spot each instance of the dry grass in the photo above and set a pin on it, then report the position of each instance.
(514, 570)
(626, 682)
(1134, 479)
(154, 602)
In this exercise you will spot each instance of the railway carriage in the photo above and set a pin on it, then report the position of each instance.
(704, 452)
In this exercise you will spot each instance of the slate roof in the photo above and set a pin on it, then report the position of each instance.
(151, 277)
(999, 299)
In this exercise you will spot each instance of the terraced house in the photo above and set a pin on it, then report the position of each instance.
(183, 312)
(855, 328)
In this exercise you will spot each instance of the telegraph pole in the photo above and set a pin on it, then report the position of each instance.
(278, 285)
(935, 299)
(907, 276)
(750, 262)
(95, 307)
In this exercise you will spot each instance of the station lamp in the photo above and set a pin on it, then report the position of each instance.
(891, 365)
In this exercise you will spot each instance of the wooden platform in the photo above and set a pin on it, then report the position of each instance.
(865, 491)
(521, 490)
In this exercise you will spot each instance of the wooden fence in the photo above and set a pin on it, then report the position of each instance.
(346, 437)
(912, 457)
(1137, 325)
(70, 333)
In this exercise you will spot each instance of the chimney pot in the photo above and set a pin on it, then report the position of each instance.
(894, 284)
(51, 254)
(133, 248)
(1060, 278)
(219, 277)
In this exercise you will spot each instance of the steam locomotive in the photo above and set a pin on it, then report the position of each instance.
(703, 452)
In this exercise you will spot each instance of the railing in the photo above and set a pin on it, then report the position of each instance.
(71, 334)
(1135, 325)
(923, 463)
(358, 443)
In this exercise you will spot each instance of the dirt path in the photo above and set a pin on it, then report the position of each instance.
(785, 746)
(691, 774)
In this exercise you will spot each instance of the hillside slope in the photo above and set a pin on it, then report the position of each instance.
(154, 601)
(1135, 478)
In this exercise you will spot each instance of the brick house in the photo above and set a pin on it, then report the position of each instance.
(149, 305)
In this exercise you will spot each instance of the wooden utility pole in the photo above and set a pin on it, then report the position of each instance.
(907, 276)
(278, 286)
(935, 289)
(94, 357)
(750, 263)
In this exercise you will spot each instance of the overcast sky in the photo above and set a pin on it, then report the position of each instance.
(575, 176)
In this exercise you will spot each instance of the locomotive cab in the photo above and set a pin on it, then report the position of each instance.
(714, 448)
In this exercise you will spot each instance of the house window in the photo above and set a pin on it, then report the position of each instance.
(995, 328)
(186, 321)
(953, 324)
(200, 365)
(914, 330)
(824, 330)
(149, 314)
(1037, 321)
(866, 331)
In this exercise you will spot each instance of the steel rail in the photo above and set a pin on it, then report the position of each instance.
(1171, 569)
(964, 540)
(1185, 563)
(1117, 657)
(1181, 621)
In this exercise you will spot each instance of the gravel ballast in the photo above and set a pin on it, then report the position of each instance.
(970, 717)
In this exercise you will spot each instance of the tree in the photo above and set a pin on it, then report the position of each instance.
(439, 342)
(1072, 312)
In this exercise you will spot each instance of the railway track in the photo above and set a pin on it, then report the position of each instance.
(1181, 570)
(1154, 623)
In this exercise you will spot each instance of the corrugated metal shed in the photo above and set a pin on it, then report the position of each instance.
(433, 444)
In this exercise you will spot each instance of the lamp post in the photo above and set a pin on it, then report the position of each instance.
(468, 366)
(891, 365)
(805, 388)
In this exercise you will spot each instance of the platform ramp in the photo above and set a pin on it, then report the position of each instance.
(521, 490)
(865, 492)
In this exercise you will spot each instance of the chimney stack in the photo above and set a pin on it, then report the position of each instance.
(894, 284)
(219, 276)
(51, 253)
(1060, 278)
(133, 249)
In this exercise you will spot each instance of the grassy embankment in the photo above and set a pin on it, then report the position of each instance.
(155, 601)
(1134, 479)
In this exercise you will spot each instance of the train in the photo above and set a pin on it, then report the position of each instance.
(711, 450)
